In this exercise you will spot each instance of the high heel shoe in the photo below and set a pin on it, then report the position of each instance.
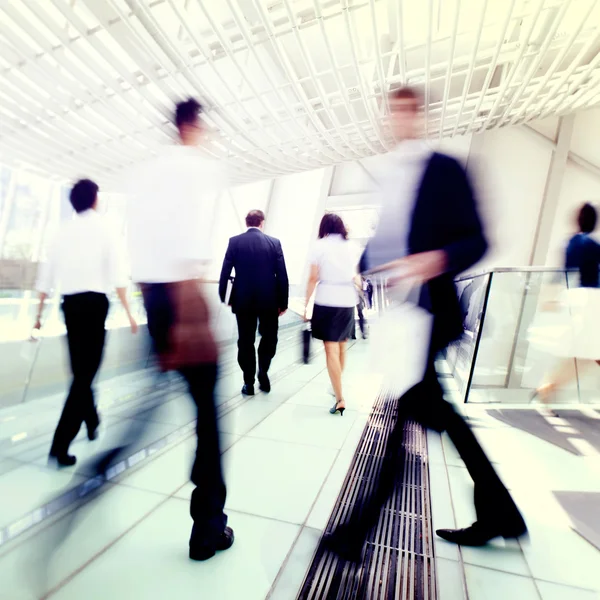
(335, 409)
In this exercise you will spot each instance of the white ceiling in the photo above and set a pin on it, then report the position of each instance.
(87, 86)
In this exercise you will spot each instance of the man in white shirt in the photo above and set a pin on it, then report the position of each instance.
(170, 220)
(84, 262)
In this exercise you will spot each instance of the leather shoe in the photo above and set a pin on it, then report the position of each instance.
(480, 534)
(63, 460)
(248, 390)
(264, 382)
(204, 551)
(340, 543)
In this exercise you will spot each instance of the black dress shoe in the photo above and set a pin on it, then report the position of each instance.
(204, 551)
(248, 390)
(63, 460)
(93, 434)
(480, 534)
(264, 382)
(340, 543)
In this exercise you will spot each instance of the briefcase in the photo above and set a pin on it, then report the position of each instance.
(306, 336)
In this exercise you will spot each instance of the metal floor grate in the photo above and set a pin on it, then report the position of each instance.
(398, 562)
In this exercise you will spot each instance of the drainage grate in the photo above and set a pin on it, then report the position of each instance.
(398, 561)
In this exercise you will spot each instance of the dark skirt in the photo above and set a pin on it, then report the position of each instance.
(332, 323)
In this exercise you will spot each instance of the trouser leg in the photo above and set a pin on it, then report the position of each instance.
(208, 498)
(493, 502)
(268, 327)
(247, 323)
(362, 323)
(85, 316)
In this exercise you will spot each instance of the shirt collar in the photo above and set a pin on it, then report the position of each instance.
(87, 214)
(410, 150)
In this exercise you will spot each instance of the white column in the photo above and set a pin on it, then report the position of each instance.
(295, 209)
(551, 197)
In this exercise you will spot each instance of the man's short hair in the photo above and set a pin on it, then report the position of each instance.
(254, 218)
(83, 195)
(408, 93)
(187, 112)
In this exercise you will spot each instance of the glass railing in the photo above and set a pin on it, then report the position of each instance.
(30, 370)
(497, 360)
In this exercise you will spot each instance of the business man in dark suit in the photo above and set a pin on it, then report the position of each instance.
(430, 230)
(259, 297)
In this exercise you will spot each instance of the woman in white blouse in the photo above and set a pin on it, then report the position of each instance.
(333, 268)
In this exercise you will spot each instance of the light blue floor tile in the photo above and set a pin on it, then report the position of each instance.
(151, 562)
(553, 591)
(247, 416)
(486, 584)
(171, 470)
(29, 487)
(306, 425)
(328, 496)
(442, 510)
(450, 580)
(461, 487)
(435, 450)
(274, 479)
(177, 411)
(33, 567)
(292, 574)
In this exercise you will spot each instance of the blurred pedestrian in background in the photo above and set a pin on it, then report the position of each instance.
(581, 307)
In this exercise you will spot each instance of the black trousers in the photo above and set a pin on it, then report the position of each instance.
(268, 326)
(208, 498)
(85, 317)
(425, 404)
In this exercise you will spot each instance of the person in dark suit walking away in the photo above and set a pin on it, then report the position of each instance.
(430, 231)
(259, 297)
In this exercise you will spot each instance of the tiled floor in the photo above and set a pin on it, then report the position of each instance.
(554, 562)
(285, 458)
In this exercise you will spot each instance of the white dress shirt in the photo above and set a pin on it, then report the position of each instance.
(406, 167)
(86, 256)
(171, 208)
(337, 260)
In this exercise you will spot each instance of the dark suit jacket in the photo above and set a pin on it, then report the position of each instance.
(445, 218)
(261, 281)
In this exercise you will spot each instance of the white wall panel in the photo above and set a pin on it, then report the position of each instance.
(586, 136)
(292, 211)
(510, 174)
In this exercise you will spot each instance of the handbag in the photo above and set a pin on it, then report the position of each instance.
(400, 340)
(306, 337)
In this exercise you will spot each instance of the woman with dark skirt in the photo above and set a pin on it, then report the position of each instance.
(333, 269)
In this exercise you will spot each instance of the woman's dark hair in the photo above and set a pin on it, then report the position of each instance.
(83, 195)
(331, 223)
(187, 113)
(587, 218)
